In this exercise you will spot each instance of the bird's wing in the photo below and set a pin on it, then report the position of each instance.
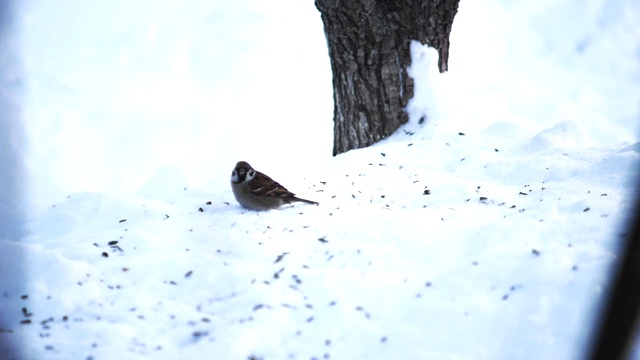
(265, 186)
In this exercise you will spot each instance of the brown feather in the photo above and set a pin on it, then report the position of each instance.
(268, 187)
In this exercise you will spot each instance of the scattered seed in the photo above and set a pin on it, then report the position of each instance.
(280, 257)
(277, 274)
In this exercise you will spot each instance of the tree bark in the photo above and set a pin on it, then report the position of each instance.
(369, 47)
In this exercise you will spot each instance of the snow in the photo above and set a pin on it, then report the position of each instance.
(488, 232)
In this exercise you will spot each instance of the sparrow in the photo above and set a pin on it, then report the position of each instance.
(256, 191)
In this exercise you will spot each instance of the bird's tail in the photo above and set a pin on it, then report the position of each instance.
(293, 198)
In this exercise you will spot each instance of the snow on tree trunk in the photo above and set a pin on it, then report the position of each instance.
(369, 43)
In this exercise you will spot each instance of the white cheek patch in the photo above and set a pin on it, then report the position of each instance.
(234, 176)
(250, 175)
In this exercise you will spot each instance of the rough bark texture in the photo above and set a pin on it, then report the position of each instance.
(369, 44)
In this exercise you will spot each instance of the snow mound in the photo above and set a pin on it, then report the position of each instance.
(430, 230)
(564, 135)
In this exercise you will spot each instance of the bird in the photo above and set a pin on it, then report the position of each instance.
(257, 191)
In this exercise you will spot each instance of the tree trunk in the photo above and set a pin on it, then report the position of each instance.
(369, 43)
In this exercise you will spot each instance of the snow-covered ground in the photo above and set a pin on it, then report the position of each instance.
(488, 232)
